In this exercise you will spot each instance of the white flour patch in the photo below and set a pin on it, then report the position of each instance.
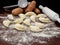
(42, 42)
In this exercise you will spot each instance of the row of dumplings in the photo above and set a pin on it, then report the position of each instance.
(22, 19)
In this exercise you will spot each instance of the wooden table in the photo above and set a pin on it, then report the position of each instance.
(53, 41)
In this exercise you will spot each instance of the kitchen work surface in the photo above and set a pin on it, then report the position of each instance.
(49, 36)
(28, 26)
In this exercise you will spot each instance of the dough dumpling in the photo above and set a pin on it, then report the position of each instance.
(35, 29)
(18, 20)
(10, 16)
(26, 21)
(19, 27)
(41, 15)
(6, 23)
(45, 20)
(40, 25)
(22, 16)
(30, 13)
(33, 18)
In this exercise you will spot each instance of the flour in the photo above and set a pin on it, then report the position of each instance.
(3, 17)
(42, 42)
(27, 37)
(42, 35)
(14, 36)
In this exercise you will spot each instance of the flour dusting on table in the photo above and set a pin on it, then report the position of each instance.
(27, 37)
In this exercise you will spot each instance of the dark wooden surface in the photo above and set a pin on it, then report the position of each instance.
(3, 42)
(52, 41)
(53, 4)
